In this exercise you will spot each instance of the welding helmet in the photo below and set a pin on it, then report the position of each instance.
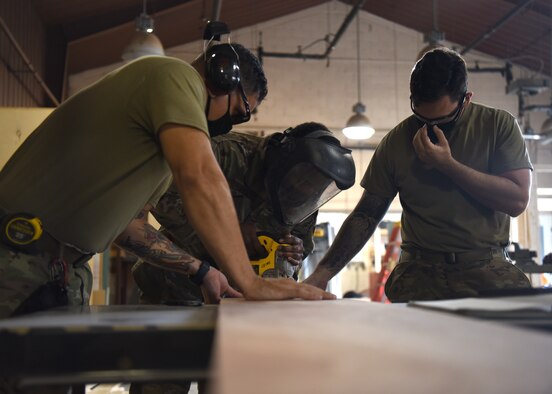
(304, 170)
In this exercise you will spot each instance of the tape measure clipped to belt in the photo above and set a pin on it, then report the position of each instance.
(20, 230)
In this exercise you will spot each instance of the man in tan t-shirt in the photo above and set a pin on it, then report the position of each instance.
(461, 169)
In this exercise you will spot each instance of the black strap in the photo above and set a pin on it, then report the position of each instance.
(198, 277)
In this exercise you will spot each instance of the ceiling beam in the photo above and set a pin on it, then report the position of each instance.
(496, 26)
(105, 47)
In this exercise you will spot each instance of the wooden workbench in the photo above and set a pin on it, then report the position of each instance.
(354, 346)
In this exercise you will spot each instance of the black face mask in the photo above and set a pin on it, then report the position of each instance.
(445, 127)
(223, 124)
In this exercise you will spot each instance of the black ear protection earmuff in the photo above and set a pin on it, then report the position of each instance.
(222, 66)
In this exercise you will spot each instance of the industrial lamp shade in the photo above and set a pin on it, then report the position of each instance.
(143, 44)
(428, 48)
(358, 126)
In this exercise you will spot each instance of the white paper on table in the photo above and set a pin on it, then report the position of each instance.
(506, 304)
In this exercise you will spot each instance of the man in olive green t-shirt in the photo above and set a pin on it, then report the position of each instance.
(101, 160)
(461, 170)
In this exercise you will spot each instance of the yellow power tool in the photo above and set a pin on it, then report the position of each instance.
(272, 266)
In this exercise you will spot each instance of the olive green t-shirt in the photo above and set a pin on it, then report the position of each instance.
(437, 214)
(90, 167)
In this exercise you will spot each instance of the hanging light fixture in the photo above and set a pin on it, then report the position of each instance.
(144, 42)
(358, 126)
(435, 37)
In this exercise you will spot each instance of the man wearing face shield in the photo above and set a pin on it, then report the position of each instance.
(461, 170)
(278, 183)
(304, 171)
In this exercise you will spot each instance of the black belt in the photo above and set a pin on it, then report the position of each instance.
(453, 257)
(53, 247)
(48, 244)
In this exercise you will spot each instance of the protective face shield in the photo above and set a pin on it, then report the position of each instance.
(304, 173)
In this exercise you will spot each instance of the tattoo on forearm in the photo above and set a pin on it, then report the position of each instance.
(142, 215)
(355, 232)
(156, 249)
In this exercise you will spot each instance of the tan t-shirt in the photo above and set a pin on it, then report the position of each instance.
(90, 167)
(437, 214)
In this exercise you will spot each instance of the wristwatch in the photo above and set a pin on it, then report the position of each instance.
(198, 277)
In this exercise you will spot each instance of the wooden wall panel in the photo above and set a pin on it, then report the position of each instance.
(18, 86)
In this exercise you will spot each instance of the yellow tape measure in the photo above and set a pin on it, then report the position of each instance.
(21, 229)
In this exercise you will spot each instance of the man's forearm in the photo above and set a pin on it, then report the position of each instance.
(147, 243)
(353, 235)
(209, 207)
(508, 195)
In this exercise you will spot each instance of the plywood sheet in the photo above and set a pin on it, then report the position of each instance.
(354, 346)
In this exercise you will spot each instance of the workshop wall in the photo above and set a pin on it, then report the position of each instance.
(19, 87)
(325, 91)
(17, 125)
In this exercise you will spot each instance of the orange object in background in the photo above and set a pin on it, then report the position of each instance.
(392, 253)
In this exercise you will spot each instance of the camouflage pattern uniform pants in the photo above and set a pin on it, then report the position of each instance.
(425, 275)
(21, 274)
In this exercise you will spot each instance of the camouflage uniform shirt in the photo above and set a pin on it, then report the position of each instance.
(241, 158)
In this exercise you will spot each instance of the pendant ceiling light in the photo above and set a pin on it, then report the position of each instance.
(358, 126)
(144, 42)
(435, 37)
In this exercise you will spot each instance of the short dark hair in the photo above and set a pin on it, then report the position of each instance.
(252, 75)
(440, 72)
